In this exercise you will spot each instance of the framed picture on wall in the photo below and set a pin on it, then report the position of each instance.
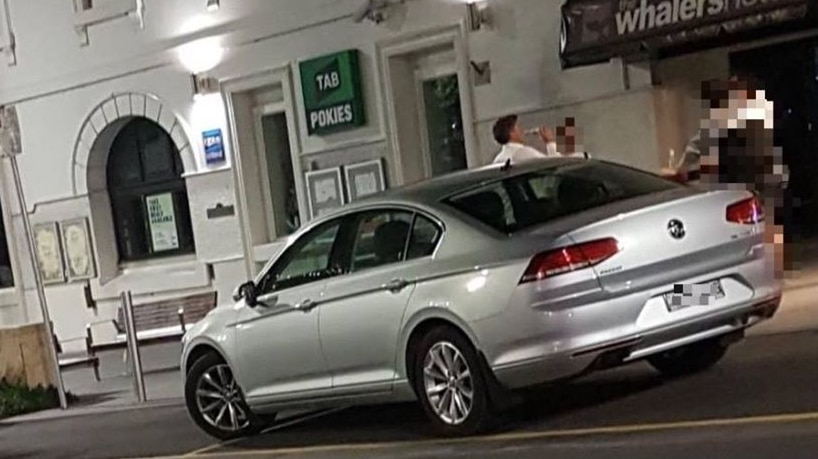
(325, 191)
(79, 256)
(49, 253)
(364, 179)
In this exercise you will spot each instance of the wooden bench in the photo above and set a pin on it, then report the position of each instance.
(157, 322)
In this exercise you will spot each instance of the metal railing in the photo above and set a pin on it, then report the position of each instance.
(133, 347)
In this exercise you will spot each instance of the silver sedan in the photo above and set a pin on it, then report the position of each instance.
(460, 290)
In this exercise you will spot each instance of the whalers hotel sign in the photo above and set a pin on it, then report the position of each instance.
(596, 30)
(331, 86)
(635, 16)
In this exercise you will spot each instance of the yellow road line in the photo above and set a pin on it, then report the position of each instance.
(515, 436)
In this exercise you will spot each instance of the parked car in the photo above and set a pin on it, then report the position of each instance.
(462, 289)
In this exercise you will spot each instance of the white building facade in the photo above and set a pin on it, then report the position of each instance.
(113, 132)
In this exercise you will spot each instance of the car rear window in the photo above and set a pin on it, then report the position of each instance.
(531, 199)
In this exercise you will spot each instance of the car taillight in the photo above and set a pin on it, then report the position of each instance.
(747, 212)
(571, 258)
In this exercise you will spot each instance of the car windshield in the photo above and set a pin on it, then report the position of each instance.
(532, 199)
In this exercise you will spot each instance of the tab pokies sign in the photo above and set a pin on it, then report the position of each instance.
(333, 99)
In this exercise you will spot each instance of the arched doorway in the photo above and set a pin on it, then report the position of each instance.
(93, 152)
(147, 193)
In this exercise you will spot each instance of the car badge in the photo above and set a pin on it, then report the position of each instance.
(676, 229)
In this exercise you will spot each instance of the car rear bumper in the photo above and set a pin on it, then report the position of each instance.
(571, 363)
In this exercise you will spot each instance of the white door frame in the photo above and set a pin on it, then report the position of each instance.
(455, 36)
(279, 76)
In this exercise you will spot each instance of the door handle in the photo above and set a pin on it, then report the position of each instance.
(396, 285)
(306, 305)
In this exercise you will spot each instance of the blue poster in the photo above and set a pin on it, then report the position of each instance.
(213, 146)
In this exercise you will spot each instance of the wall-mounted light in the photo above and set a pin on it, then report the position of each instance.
(213, 5)
(478, 15)
(201, 55)
(204, 85)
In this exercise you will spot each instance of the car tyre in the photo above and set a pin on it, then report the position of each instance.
(690, 359)
(216, 402)
(450, 382)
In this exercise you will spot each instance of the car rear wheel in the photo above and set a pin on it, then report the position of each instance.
(450, 383)
(689, 359)
(216, 402)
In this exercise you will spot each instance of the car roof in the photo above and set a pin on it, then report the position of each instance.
(431, 191)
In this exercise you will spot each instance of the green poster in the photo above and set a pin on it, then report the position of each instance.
(162, 220)
(332, 92)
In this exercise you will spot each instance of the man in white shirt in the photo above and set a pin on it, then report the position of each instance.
(508, 134)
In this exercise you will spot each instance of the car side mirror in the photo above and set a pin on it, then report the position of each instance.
(248, 292)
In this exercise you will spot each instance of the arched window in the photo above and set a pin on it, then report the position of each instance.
(148, 194)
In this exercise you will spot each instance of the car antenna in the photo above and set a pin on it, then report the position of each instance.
(506, 166)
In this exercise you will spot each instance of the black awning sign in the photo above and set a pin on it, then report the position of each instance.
(606, 28)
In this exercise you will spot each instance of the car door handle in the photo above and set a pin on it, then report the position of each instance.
(306, 305)
(396, 285)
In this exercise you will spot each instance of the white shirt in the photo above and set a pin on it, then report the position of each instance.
(518, 153)
(553, 151)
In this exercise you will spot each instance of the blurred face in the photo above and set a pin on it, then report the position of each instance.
(740, 90)
(567, 139)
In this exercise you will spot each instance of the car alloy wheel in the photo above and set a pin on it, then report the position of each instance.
(450, 382)
(447, 380)
(220, 401)
(215, 400)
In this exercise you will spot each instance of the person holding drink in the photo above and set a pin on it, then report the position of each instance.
(511, 137)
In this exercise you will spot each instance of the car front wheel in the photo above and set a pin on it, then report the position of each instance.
(689, 359)
(216, 402)
(450, 384)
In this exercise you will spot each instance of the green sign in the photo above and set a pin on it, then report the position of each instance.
(332, 92)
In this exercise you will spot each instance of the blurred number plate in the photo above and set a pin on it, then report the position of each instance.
(685, 296)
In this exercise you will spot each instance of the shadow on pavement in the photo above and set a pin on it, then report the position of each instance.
(407, 422)
(87, 400)
(549, 402)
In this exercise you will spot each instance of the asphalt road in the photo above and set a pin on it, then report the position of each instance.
(761, 402)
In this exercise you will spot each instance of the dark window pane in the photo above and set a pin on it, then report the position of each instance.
(380, 239)
(124, 164)
(144, 162)
(129, 222)
(280, 175)
(157, 157)
(309, 260)
(6, 275)
(533, 199)
(444, 124)
(184, 226)
(425, 236)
